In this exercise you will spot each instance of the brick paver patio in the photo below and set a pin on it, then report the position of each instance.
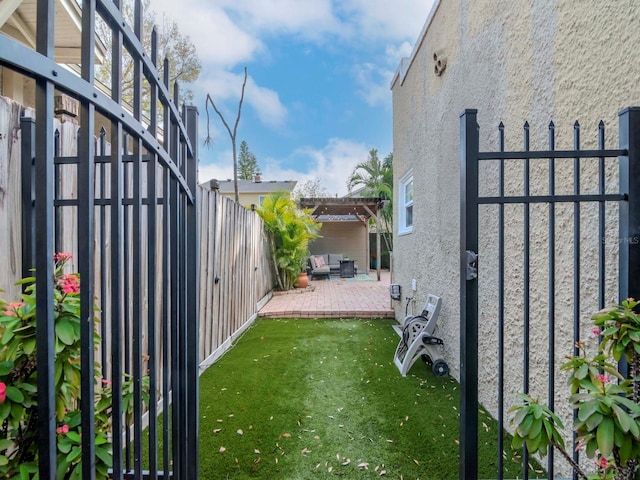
(334, 298)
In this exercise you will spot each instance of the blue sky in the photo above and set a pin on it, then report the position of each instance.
(317, 98)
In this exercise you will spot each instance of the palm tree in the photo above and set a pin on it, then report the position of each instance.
(375, 177)
(290, 230)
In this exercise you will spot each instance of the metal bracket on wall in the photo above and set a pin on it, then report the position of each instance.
(472, 265)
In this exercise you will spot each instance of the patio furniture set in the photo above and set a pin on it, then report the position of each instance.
(331, 264)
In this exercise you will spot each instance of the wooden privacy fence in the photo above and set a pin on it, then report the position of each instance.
(235, 272)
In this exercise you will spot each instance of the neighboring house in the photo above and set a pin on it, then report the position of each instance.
(251, 193)
(18, 21)
(513, 62)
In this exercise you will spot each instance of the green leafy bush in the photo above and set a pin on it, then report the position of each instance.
(606, 403)
(290, 230)
(18, 384)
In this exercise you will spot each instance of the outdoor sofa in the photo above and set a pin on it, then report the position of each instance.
(326, 264)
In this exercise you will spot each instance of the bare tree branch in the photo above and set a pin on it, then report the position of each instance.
(232, 135)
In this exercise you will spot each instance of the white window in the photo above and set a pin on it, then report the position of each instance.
(261, 199)
(405, 204)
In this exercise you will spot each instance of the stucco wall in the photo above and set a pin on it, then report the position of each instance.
(346, 237)
(514, 62)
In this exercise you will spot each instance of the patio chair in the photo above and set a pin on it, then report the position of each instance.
(417, 340)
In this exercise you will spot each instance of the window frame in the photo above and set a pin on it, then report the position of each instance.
(403, 204)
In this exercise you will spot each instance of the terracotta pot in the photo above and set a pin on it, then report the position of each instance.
(303, 280)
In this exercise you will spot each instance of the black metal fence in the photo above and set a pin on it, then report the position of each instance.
(623, 198)
(130, 217)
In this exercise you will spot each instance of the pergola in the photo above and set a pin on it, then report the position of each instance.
(361, 208)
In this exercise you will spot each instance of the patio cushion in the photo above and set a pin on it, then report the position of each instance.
(318, 261)
(334, 258)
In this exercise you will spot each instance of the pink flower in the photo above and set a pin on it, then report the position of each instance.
(62, 257)
(12, 310)
(602, 463)
(595, 331)
(106, 382)
(69, 283)
(603, 378)
(3, 392)
(63, 429)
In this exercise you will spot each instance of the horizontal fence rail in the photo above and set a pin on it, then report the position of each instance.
(532, 239)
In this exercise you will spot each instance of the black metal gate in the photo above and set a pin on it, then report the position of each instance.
(130, 219)
(472, 261)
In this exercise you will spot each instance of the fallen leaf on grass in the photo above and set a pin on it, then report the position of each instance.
(239, 431)
(256, 451)
(346, 462)
(416, 461)
(363, 466)
(383, 472)
(286, 435)
(389, 440)
(222, 449)
(305, 450)
(217, 430)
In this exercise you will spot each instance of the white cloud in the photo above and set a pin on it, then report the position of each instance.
(312, 20)
(225, 89)
(379, 19)
(218, 39)
(395, 53)
(266, 103)
(221, 169)
(373, 83)
(332, 165)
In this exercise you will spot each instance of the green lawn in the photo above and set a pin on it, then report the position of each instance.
(303, 399)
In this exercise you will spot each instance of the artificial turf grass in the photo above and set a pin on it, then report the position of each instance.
(308, 398)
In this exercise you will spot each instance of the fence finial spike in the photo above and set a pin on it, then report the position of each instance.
(526, 125)
(501, 126)
(552, 125)
(601, 124)
(576, 125)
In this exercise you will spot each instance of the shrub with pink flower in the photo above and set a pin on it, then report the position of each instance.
(607, 412)
(18, 386)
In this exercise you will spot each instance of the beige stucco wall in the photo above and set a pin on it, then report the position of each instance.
(514, 62)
